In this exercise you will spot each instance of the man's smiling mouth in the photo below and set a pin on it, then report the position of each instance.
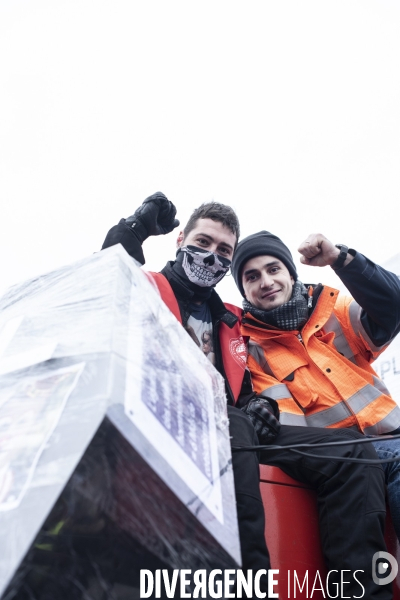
(269, 294)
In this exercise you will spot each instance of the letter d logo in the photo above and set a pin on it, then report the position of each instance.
(383, 568)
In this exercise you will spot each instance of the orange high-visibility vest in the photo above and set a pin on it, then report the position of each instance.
(322, 376)
(233, 347)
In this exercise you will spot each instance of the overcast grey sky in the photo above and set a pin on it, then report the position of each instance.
(287, 110)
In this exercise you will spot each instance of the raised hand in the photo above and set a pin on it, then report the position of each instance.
(156, 216)
(318, 251)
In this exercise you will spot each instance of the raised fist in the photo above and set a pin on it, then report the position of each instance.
(156, 216)
(317, 251)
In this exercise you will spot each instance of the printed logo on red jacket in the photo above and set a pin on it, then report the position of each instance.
(238, 350)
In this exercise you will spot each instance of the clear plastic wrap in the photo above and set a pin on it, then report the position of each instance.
(113, 429)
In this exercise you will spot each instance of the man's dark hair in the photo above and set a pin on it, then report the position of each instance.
(217, 212)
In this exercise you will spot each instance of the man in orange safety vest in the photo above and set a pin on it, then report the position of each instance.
(311, 347)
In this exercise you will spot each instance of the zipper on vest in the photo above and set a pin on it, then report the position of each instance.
(310, 296)
(300, 338)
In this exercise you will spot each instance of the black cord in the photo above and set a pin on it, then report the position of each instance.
(365, 461)
(294, 448)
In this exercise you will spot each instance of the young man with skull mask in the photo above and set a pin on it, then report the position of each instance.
(205, 249)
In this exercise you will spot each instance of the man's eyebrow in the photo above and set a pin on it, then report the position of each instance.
(226, 245)
(250, 271)
(270, 264)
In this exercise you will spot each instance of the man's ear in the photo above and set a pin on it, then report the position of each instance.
(292, 280)
(179, 240)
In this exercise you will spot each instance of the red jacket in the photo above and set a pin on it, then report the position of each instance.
(232, 345)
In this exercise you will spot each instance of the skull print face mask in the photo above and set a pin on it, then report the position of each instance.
(202, 267)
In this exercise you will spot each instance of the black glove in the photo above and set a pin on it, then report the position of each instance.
(261, 414)
(156, 216)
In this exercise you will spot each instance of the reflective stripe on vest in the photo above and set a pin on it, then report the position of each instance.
(355, 320)
(363, 397)
(323, 418)
(301, 421)
(276, 392)
(328, 416)
(388, 424)
(257, 353)
(286, 418)
(378, 383)
(340, 342)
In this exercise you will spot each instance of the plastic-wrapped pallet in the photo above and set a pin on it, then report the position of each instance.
(114, 440)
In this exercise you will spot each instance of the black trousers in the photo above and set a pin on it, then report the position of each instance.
(351, 500)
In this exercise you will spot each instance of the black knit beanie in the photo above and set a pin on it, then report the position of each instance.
(259, 244)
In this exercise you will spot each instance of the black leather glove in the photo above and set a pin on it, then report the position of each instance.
(261, 414)
(156, 216)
